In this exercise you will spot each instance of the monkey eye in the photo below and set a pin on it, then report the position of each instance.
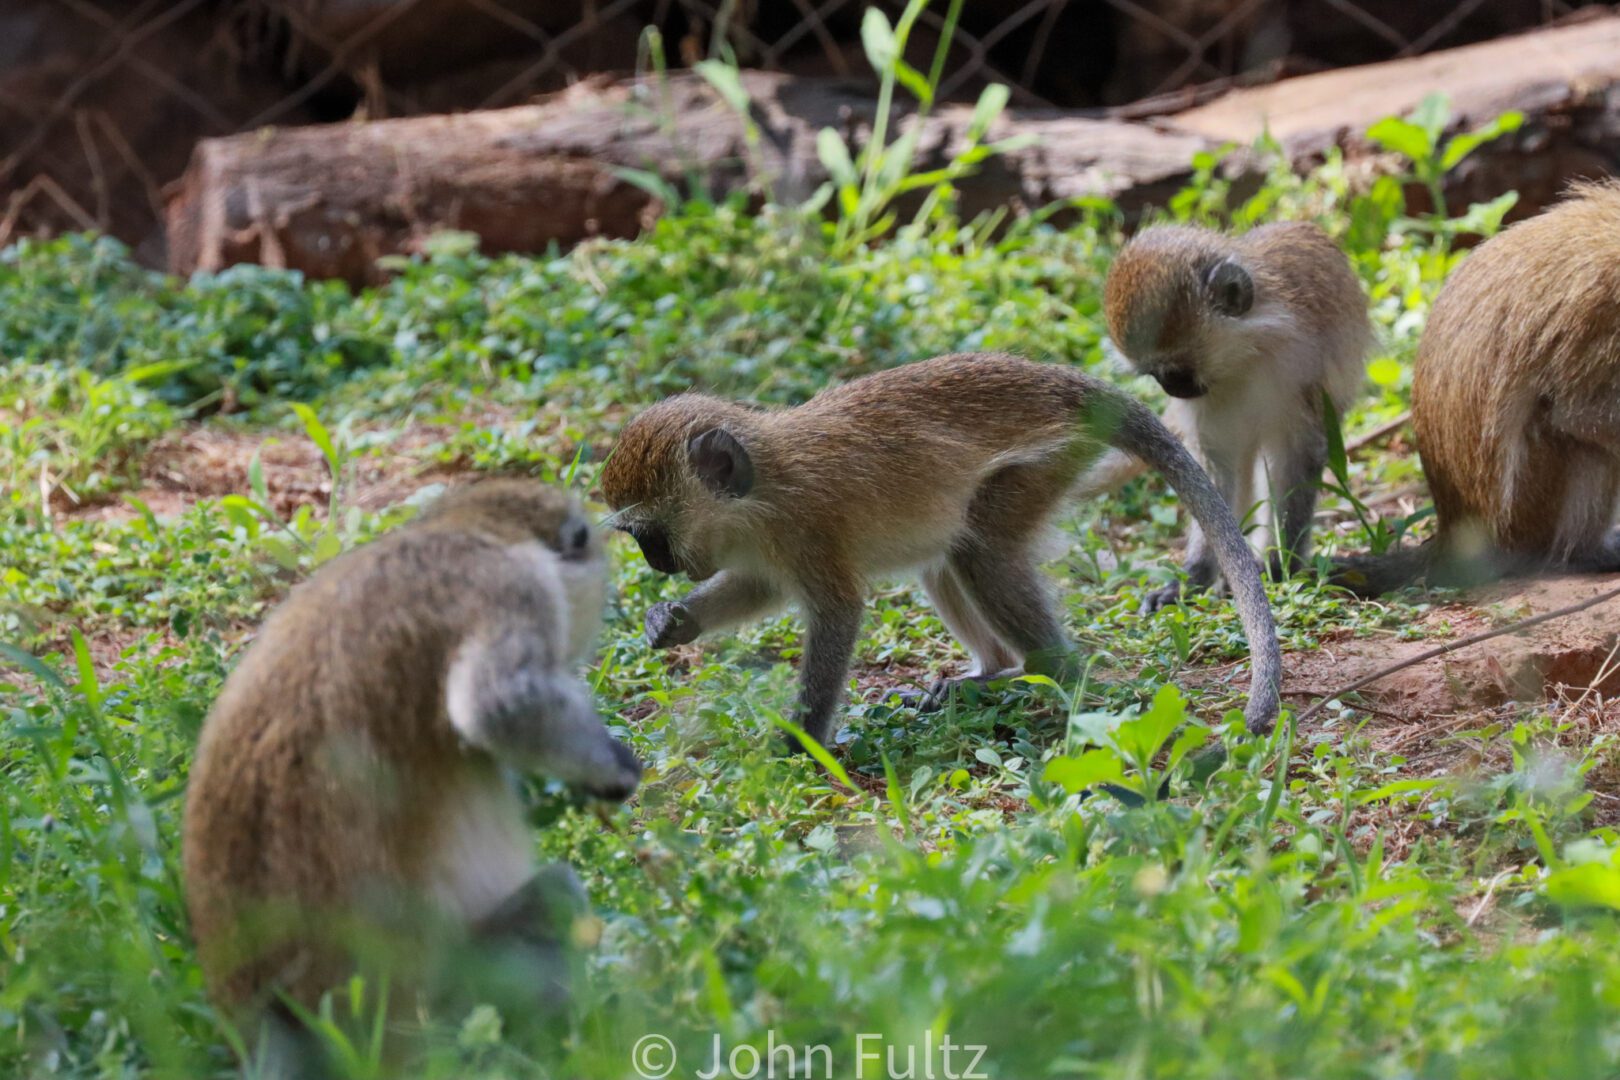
(575, 539)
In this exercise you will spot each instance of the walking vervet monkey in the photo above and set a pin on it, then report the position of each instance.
(353, 790)
(952, 466)
(1246, 334)
(1516, 405)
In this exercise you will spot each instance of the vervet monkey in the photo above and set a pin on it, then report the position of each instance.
(952, 466)
(1516, 405)
(353, 785)
(1246, 334)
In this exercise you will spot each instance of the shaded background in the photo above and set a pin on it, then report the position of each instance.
(101, 101)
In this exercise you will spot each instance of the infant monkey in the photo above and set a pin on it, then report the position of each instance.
(352, 799)
(1246, 333)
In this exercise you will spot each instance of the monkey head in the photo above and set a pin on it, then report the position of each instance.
(1175, 301)
(518, 511)
(679, 482)
(525, 512)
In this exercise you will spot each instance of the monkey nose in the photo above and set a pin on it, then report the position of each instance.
(622, 784)
(1181, 383)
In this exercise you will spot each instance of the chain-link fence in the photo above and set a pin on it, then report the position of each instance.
(102, 100)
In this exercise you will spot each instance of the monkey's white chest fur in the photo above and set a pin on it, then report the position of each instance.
(482, 851)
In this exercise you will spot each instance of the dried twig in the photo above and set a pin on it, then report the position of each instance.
(1461, 643)
(1382, 431)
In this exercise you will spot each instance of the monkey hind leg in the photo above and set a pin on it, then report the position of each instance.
(1015, 600)
(991, 655)
(1607, 560)
(284, 1048)
(1295, 472)
(1584, 534)
(521, 955)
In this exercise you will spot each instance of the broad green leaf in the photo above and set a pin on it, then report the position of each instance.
(992, 100)
(1585, 885)
(1141, 738)
(327, 547)
(318, 435)
(281, 551)
(1094, 767)
(877, 38)
(1384, 371)
(1191, 738)
(1403, 137)
(1460, 146)
(727, 82)
(915, 81)
(834, 156)
(1484, 219)
(1431, 115)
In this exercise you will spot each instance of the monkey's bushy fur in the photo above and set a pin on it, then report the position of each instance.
(349, 803)
(1516, 405)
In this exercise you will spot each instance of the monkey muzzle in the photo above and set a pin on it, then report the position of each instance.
(654, 548)
(618, 783)
(1181, 383)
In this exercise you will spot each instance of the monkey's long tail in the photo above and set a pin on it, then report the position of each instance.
(1121, 421)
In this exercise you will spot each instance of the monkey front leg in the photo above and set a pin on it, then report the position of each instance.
(1297, 476)
(506, 695)
(835, 623)
(726, 598)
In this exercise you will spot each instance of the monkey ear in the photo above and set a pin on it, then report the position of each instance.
(1230, 288)
(721, 463)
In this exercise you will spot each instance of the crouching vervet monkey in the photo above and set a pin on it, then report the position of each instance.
(352, 805)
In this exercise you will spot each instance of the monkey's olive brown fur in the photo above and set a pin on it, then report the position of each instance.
(951, 466)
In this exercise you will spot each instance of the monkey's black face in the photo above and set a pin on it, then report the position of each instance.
(654, 543)
(617, 784)
(1181, 383)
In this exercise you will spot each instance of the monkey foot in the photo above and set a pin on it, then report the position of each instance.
(940, 690)
(1163, 597)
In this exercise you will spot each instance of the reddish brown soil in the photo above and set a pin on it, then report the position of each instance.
(198, 463)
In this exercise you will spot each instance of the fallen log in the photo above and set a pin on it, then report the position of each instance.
(1565, 80)
(330, 200)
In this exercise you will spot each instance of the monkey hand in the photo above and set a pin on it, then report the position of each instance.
(670, 624)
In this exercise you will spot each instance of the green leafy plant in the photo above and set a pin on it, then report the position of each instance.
(301, 542)
(1380, 533)
(1420, 139)
(867, 183)
(1127, 752)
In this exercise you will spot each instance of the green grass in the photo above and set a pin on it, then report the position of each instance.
(1313, 909)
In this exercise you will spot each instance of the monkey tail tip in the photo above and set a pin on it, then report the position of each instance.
(1260, 715)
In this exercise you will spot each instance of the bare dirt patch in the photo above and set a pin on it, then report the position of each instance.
(206, 462)
(1575, 658)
